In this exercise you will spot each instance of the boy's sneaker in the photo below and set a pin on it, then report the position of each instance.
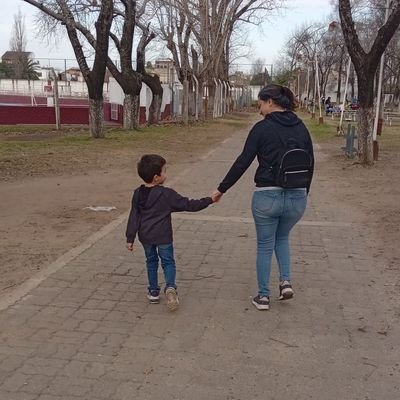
(285, 291)
(153, 296)
(261, 302)
(172, 298)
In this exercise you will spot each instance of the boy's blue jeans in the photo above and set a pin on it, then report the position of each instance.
(166, 253)
(275, 213)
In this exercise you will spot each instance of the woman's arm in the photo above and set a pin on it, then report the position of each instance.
(243, 162)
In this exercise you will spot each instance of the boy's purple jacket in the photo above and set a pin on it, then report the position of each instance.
(150, 216)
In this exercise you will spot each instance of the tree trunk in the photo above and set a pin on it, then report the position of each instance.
(339, 85)
(155, 109)
(365, 142)
(192, 105)
(96, 118)
(365, 117)
(352, 81)
(131, 111)
(154, 83)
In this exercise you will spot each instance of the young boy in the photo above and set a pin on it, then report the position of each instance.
(150, 218)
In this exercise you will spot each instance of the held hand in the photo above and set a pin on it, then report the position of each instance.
(129, 246)
(216, 196)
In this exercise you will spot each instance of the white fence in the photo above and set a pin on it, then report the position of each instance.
(41, 88)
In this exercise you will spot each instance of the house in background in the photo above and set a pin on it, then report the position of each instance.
(12, 57)
(165, 69)
(74, 74)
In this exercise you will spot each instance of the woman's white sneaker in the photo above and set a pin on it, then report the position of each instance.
(261, 302)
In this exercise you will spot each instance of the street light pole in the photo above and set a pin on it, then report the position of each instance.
(314, 96)
(321, 118)
(340, 129)
(379, 94)
(307, 86)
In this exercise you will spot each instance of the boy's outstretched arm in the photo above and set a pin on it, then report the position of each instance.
(132, 226)
(181, 203)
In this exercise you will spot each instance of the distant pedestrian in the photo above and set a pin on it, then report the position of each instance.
(282, 183)
(328, 106)
(150, 219)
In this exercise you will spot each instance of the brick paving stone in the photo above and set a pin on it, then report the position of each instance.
(87, 331)
(17, 396)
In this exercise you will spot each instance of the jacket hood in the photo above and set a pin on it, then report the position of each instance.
(285, 118)
(146, 197)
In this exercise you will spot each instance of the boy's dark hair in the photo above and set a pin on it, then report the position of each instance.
(280, 95)
(150, 165)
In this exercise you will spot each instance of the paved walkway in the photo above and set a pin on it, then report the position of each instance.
(86, 331)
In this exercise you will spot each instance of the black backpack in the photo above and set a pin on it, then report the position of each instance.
(295, 167)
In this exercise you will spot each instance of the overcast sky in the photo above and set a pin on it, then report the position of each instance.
(267, 41)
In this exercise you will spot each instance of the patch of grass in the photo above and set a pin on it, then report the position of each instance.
(27, 129)
(390, 138)
(114, 137)
(73, 150)
(324, 131)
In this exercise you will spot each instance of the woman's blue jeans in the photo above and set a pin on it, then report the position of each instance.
(164, 252)
(275, 213)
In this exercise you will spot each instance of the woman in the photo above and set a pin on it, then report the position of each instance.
(275, 209)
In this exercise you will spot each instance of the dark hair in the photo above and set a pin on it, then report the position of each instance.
(150, 165)
(280, 95)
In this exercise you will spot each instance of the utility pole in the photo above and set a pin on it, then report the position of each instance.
(56, 100)
(379, 108)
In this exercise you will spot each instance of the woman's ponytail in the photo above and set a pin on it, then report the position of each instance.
(280, 95)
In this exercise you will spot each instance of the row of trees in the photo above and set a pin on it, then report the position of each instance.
(198, 34)
(363, 35)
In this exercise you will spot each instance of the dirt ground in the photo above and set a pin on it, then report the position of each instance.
(47, 179)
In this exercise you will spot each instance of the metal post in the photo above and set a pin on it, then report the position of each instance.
(379, 94)
(220, 98)
(321, 119)
(307, 86)
(215, 99)
(340, 129)
(314, 96)
(196, 98)
(56, 102)
(298, 85)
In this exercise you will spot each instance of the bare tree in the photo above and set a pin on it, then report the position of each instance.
(18, 35)
(214, 27)
(366, 64)
(199, 35)
(18, 46)
(63, 12)
(145, 17)
(151, 80)
(175, 28)
(257, 66)
(129, 79)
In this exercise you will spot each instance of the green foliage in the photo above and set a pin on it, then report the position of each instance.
(282, 77)
(320, 131)
(260, 79)
(29, 70)
(4, 71)
(22, 68)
